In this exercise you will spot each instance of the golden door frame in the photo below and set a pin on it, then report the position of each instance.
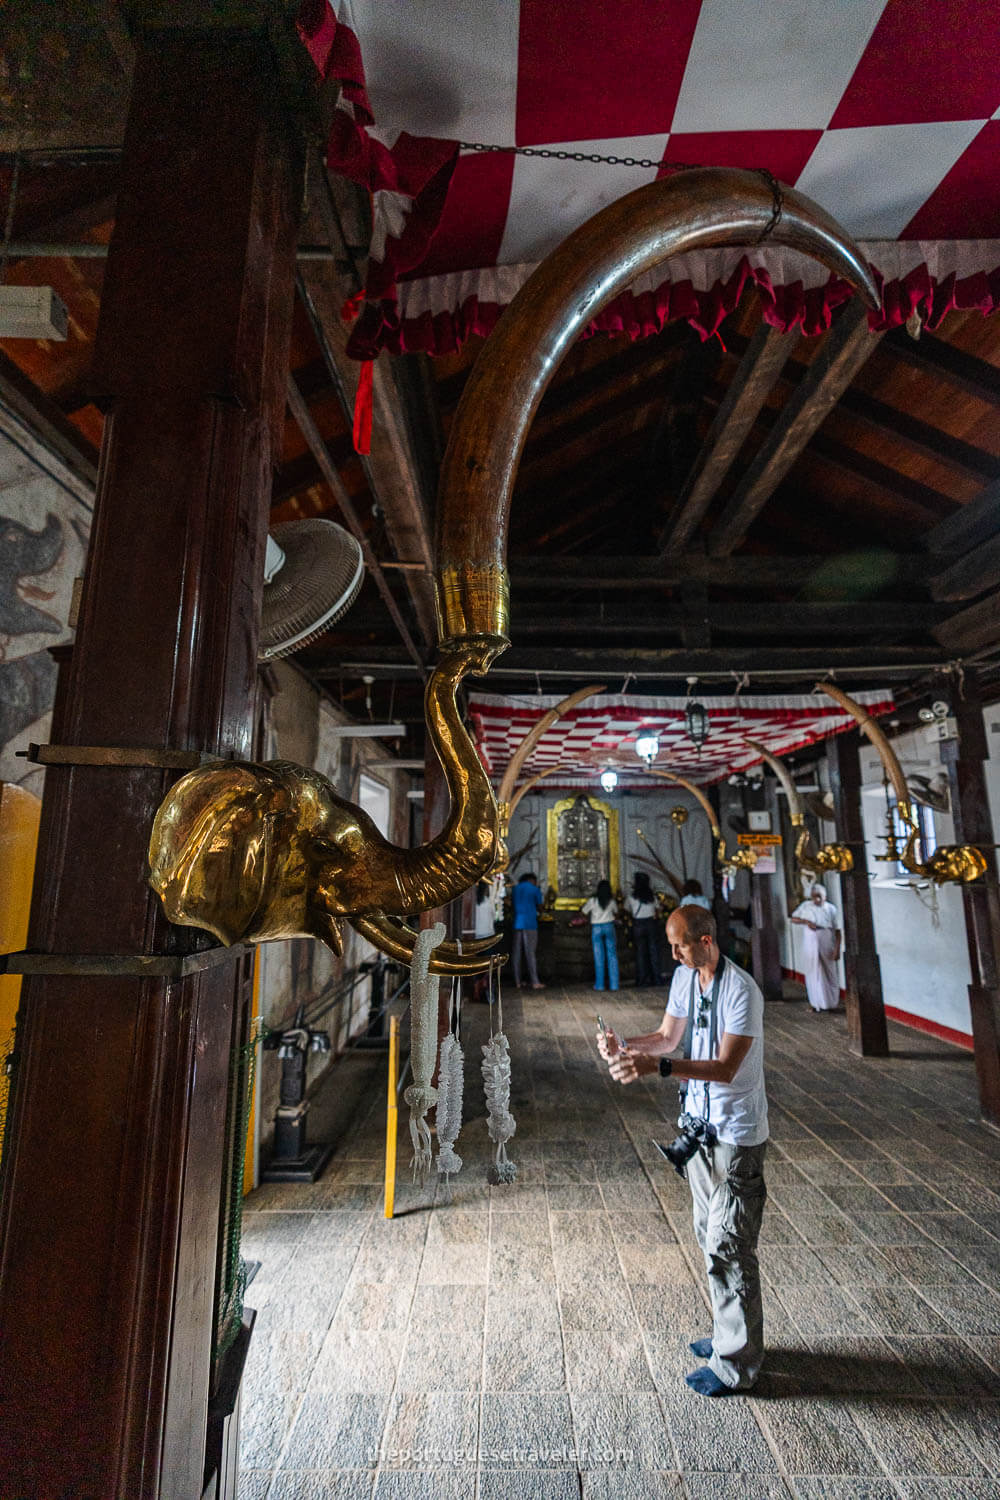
(571, 903)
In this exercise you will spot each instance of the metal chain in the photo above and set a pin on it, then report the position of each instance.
(647, 163)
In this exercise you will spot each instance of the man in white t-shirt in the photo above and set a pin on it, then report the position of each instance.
(724, 1077)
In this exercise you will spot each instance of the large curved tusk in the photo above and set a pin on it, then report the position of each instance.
(696, 793)
(688, 211)
(379, 931)
(475, 945)
(524, 749)
(523, 790)
(887, 754)
(785, 777)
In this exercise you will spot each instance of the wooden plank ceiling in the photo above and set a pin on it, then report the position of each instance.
(755, 502)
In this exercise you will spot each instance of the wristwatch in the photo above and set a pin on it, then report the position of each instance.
(666, 1067)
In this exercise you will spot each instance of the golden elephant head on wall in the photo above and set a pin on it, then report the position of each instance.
(341, 867)
(255, 852)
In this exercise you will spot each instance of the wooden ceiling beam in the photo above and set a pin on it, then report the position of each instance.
(317, 446)
(918, 435)
(969, 575)
(804, 663)
(845, 349)
(932, 501)
(747, 391)
(46, 421)
(973, 629)
(567, 390)
(799, 619)
(618, 403)
(970, 526)
(391, 469)
(745, 572)
(977, 377)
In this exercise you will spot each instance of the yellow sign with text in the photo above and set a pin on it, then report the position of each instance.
(759, 840)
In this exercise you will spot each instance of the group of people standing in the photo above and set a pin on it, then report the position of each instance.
(603, 912)
(817, 915)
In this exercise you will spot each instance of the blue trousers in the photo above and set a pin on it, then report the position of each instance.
(602, 937)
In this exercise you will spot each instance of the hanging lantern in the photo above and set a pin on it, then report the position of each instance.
(609, 780)
(696, 719)
(647, 747)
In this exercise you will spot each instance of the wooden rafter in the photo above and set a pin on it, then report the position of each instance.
(977, 377)
(318, 449)
(805, 662)
(758, 370)
(746, 572)
(846, 348)
(391, 468)
(797, 620)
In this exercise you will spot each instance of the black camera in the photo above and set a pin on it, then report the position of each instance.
(694, 1131)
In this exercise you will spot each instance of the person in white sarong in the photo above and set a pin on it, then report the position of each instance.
(822, 948)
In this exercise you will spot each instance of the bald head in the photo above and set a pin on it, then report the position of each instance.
(695, 921)
(691, 935)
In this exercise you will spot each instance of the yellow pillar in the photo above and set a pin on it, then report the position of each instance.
(20, 811)
(391, 1118)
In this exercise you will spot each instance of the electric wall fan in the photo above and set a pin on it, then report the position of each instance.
(312, 575)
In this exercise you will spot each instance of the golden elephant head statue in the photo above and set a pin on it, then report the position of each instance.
(254, 852)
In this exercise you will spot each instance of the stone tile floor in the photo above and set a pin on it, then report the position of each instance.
(530, 1341)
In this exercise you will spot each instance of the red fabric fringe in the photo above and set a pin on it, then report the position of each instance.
(363, 409)
(380, 325)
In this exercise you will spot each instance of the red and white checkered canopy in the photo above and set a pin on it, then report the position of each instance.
(887, 112)
(601, 732)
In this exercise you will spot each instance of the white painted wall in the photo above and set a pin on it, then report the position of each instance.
(920, 935)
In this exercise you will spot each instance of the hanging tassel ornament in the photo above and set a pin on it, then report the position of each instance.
(451, 1084)
(423, 1046)
(496, 1081)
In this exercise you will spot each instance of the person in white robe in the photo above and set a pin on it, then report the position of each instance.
(821, 948)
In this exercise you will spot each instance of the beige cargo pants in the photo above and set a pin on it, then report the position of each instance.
(728, 1197)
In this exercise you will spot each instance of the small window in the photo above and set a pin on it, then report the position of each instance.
(374, 798)
(927, 834)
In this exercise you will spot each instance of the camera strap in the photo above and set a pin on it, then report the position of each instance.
(713, 1023)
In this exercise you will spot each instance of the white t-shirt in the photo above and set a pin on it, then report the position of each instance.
(701, 901)
(738, 1110)
(821, 916)
(484, 916)
(641, 909)
(599, 914)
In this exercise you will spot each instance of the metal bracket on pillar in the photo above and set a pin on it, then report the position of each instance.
(115, 755)
(120, 965)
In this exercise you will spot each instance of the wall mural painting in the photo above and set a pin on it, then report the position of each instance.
(44, 523)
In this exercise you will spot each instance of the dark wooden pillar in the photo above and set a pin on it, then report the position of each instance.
(114, 1187)
(764, 948)
(866, 1028)
(970, 807)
